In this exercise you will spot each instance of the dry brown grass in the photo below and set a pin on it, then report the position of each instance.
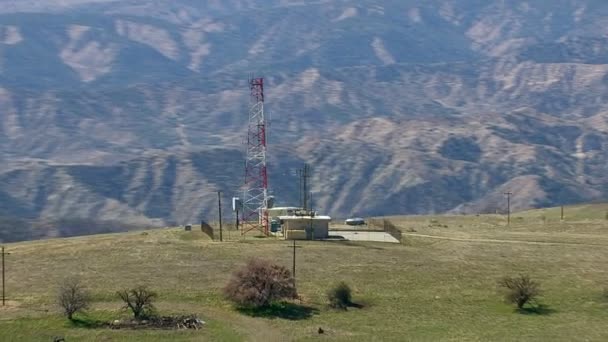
(427, 289)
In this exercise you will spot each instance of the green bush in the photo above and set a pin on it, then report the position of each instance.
(340, 296)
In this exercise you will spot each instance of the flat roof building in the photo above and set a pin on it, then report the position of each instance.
(305, 227)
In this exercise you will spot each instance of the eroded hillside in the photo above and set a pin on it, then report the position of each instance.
(135, 110)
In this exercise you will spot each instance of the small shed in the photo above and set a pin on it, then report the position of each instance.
(305, 227)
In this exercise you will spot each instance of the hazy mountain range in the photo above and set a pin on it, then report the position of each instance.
(136, 110)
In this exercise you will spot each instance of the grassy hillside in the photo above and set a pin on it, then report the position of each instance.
(595, 211)
(439, 285)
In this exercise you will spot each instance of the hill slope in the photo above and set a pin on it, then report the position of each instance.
(437, 289)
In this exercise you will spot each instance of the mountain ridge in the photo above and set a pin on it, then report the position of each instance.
(400, 107)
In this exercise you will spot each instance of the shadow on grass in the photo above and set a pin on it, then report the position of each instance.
(356, 305)
(290, 311)
(350, 305)
(539, 309)
(86, 323)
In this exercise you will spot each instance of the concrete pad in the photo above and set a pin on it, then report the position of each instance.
(364, 236)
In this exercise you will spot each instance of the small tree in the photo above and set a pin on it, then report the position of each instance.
(259, 284)
(520, 290)
(73, 297)
(340, 296)
(139, 301)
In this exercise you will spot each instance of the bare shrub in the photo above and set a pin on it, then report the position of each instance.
(139, 300)
(340, 296)
(259, 284)
(73, 297)
(520, 290)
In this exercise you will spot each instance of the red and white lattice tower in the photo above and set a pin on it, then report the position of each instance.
(255, 196)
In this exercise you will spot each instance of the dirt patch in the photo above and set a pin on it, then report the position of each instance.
(10, 305)
(165, 322)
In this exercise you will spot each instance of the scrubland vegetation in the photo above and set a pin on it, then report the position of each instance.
(441, 283)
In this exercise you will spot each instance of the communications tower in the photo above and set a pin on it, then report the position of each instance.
(255, 195)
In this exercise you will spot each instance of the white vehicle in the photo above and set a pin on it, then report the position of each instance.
(355, 221)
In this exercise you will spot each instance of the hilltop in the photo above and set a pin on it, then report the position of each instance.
(440, 284)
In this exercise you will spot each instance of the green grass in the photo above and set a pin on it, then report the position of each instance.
(427, 289)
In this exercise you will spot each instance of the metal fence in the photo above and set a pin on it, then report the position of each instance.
(386, 226)
(207, 229)
(390, 228)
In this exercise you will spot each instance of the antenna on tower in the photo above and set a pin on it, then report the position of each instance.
(255, 194)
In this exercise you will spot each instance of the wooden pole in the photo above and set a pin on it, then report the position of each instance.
(312, 231)
(300, 188)
(219, 208)
(3, 290)
(293, 268)
(3, 279)
(508, 207)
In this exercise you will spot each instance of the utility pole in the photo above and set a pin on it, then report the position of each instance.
(219, 207)
(562, 213)
(508, 207)
(300, 188)
(305, 190)
(3, 278)
(310, 197)
(304, 176)
(312, 231)
(293, 268)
